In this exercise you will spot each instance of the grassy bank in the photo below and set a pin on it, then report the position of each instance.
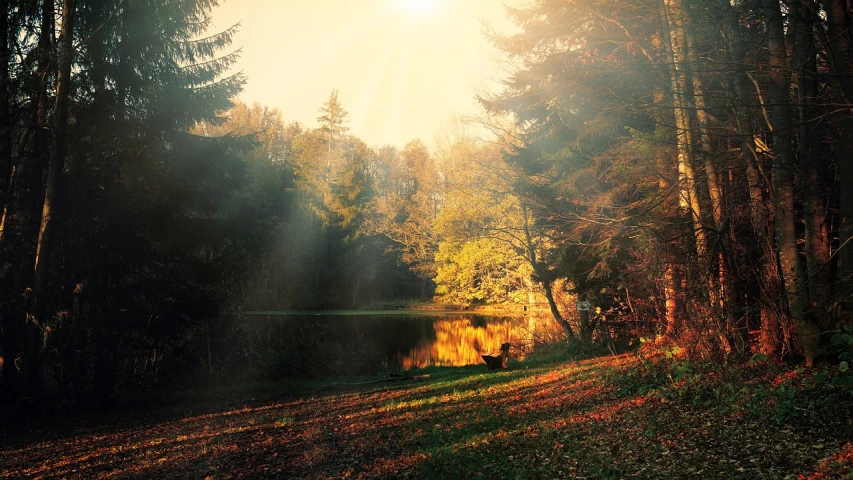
(606, 417)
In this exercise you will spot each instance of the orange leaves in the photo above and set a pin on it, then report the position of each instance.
(839, 465)
(551, 422)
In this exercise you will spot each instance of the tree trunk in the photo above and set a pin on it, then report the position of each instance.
(45, 245)
(734, 331)
(783, 179)
(675, 43)
(5, 114)
(547, 286)
(670, 296)
(586, 326)
(817, 245)
(8, 320)
(840, 56)
(761, 261)
(715, 189)
(688, 194)
(31, 359)
(543, 277)
(666, 173)
(58, 147)
(845, 234)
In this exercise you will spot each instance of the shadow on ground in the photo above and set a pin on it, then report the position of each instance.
(552, 421)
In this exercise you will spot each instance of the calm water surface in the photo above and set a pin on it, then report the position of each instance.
(361, 343)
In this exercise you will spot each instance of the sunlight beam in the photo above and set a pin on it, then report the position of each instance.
(419, 9)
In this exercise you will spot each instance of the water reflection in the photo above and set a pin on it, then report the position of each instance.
(461, 341)
(321, 345)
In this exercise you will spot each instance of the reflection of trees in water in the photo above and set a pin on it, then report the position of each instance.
(461, 341)
(358, 345)
(309, 346)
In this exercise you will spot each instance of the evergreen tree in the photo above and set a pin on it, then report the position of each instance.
(333, 124)
(624, 112)
(132, 198)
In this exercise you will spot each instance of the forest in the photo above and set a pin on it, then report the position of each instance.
(664, 173)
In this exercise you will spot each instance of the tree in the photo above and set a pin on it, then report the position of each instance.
(85, 251)
(332, 123)
(783, 176)
(836, 43)
(45, 244)
(481, 255)
(8, 322)
(584, 127)
(566, 102)
(406, 213)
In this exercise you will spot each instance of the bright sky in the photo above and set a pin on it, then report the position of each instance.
(402, 67)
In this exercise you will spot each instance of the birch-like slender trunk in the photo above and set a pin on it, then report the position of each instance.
(24, 214)
(688, 194)
(675, 43)
(670, 275)
(45, 246)
(58, 148)
(733, 332)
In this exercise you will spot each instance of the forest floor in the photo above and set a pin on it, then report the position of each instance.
(608, 417)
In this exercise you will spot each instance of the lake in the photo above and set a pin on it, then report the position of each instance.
(358, 343)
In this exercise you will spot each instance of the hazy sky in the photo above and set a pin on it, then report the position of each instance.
(401, 67)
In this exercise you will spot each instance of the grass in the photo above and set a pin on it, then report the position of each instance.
(605, 417)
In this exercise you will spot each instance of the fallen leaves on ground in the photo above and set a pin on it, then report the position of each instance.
(556, 421)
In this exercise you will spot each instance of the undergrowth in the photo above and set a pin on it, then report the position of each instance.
(759, 389)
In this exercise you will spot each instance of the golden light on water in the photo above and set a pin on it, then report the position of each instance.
(458, 342)
(461, 341)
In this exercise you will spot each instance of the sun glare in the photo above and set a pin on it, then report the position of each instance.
(418, 8)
